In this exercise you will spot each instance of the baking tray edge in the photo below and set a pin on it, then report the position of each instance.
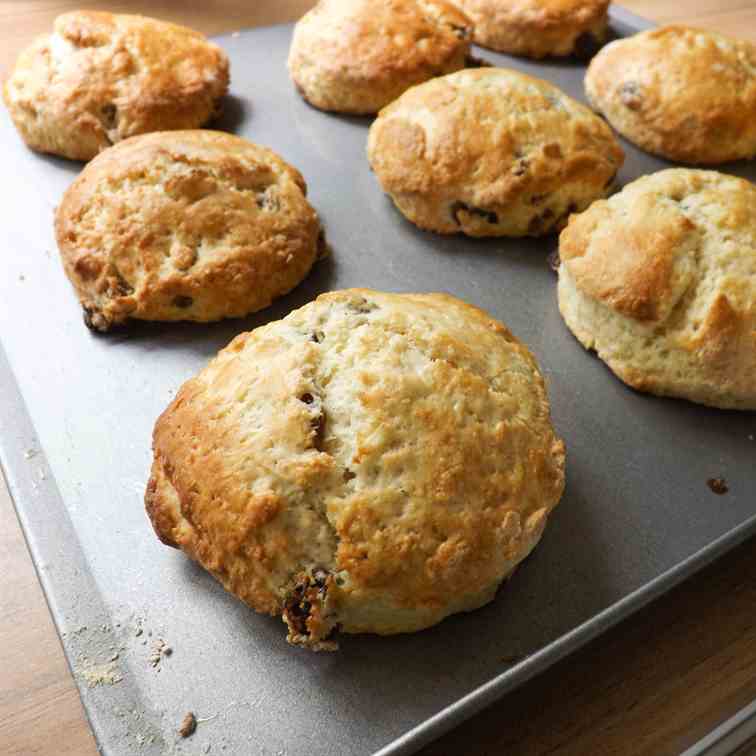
(61, 570)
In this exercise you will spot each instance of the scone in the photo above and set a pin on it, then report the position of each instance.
(539, 28)
(491, 152)
(355, 56)
(371, 464)
(184, 225)
(661, 281)
(685, 94)
(100, 77)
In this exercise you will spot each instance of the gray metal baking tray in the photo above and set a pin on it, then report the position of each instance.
(78, 409)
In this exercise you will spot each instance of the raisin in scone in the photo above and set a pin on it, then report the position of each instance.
(355, 56)
(369, 464)
(184, 225)
(660, 280)
(102, 77)
(491, 152)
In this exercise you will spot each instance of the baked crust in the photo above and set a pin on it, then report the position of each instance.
(491, 152)
(686, 94)
(373, 462)
(102, 77)
(539, 28)
(660, 280)
(184, 225)
(355, 56)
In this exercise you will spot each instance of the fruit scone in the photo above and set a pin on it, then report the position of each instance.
(372, 463)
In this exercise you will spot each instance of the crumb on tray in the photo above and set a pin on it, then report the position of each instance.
(718, 485)
(188, 725)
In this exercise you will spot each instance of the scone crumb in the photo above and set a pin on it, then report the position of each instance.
(159, 650)
(188, 725)
(718, 486)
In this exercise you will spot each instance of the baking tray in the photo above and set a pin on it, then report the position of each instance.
(77, 414)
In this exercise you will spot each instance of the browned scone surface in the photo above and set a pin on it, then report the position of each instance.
(371, 463)
(102, 77)
(491, 152)
(184, 225)
(661, 281)
(355, 56)
(539, 28)
(685, 94)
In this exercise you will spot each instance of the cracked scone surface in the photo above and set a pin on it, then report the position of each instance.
(371, 463)
(102, 77)
(184, 225)
(686, 94)
(491, 152)
(539, 28)
(660, 280)
(355, 56)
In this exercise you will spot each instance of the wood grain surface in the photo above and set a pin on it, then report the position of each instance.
(651, 686)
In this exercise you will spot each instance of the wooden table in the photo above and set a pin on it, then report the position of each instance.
(653, 685)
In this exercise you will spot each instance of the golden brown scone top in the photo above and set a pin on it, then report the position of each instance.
(564, 10)
(542, 13)
(666, 274)
(682, 93)
(386, 459)
(537, 28)
(184, 225)
(102, 77)
(356, 56)
(491, 152)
